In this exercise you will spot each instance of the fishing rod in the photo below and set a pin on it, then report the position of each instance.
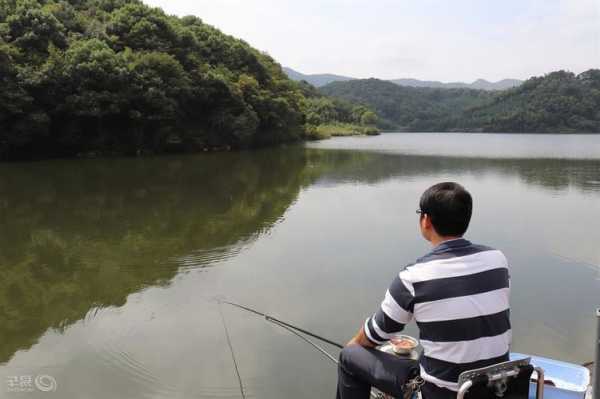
(235, 364)
(373, 394)
(308, 341)
(283, 323)
(295, 330)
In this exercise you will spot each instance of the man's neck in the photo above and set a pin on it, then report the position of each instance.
(435, 241)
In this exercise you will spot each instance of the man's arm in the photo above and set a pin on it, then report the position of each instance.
(395, 312)
(361, 339)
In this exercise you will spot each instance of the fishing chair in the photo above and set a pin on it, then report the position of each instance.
(509, 380)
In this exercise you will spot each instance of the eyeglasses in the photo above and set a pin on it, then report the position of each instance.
(420, 212)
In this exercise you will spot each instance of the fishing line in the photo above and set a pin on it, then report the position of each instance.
(296, 331)
(283, 323)
(589, 264)
(317, 347)
(302, 337)
(237, 371)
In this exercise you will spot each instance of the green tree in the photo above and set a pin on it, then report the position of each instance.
(368, 118)
(32, 29)
(140, 27)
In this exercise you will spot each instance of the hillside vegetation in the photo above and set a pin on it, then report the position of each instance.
(117, 76)
(328, 116)
(558, 102)
(407, 108)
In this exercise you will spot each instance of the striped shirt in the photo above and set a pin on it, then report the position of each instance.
(459, 297)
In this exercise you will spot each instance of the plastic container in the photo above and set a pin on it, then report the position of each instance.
(409, 342)
(570, 380)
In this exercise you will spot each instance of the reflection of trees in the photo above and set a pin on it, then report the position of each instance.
(83, 234)
(372, 167)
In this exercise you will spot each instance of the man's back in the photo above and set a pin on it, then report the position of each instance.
(461, 305)
(459, 296)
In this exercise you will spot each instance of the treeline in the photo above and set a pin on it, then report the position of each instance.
(330, 116)
(406, 108)
(105, 76)
(558, 102)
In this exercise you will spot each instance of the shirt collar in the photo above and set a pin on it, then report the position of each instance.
(450, 244)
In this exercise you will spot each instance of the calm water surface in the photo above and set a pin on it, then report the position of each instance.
(110, 267)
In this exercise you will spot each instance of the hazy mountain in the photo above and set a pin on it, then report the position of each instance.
(319, 80)
(479, 84)
(316, 80)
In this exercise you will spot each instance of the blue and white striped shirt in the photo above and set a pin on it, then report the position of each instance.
(459, 296)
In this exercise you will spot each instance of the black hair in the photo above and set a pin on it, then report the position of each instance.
(449, 207)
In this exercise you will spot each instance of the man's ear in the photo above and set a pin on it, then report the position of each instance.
(427, 221)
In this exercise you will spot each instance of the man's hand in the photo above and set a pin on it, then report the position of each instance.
(361, 339)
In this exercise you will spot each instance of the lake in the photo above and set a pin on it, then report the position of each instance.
(110, 267)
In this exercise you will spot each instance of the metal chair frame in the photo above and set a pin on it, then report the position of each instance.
(499, 374)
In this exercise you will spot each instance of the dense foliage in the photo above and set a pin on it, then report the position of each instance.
(326, 116)
(406, 108)
(118, 76)
(558, 102)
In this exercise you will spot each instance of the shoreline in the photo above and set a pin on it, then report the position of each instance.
(315, 134)
(327, 131)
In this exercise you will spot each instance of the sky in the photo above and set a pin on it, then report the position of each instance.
(446, 40)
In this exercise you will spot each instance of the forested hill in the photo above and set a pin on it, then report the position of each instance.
(117, 76)
(558, 102)
(407, 108)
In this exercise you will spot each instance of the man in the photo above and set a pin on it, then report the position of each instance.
(458, 295)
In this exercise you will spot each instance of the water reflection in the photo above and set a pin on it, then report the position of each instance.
(111, 261)
(373, 167)
(89, 233)
(83, 234)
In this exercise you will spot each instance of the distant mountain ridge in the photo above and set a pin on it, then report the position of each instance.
(317, 80)
(320, 80)
(479, 84)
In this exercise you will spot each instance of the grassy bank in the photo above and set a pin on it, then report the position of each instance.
(326, 131)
